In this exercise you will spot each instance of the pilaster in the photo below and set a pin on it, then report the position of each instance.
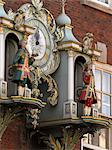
(71, 55)
(2, 53)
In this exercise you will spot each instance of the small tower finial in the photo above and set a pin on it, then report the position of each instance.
(63, 3)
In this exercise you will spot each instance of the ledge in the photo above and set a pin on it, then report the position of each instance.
(5, 22)
(98, 121)
(17, 100)
(98, 5)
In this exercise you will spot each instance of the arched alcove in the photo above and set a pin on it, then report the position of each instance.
(11, 47)
(79, 63)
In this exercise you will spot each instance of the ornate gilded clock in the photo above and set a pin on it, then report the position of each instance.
(42, 44)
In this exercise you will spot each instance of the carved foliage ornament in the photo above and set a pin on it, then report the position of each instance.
(70, 138)
(37, 77)
(87, 42)
(33, 115)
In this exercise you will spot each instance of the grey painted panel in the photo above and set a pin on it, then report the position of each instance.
(61, 76)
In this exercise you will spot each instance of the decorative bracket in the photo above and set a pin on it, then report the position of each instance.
(8, 113)
(16, 107)
(70, 137)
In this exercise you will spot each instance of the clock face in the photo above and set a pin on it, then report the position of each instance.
(37, 45)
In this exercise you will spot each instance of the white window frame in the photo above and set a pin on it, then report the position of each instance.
(90, 145)
(93, 147)
(108, 69)
(99, 5)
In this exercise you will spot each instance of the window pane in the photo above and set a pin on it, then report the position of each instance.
(111, 106)
(106, 83)
(98, 80)
(106, 99)
(111, 83)
(106, 105)
(106, 110)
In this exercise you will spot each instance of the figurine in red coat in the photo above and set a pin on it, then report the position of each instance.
(88, 94)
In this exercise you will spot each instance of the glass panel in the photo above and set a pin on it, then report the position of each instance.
(106, 105)
(111, 106)
(111, 83)
(98, 80)
(106, 99)
(106, 110)
(106, 83)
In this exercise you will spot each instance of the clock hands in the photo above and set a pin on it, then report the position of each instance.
(37, 36)
(37, 44)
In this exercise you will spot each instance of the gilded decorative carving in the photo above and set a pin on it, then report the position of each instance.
(53, 89)
(37, 77)
(71, 53)
(11, 14)
(59, 34)
(87, 42)
(33, 115)
(1, 29)
(19, 19)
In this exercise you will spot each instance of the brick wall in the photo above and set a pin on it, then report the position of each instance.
(78, 145)
(14, 138)
(84, 19)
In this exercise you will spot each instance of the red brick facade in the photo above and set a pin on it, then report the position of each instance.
(14, 138)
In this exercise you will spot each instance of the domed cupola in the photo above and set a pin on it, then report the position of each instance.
(64, 21)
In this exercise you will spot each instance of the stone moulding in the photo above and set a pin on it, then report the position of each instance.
(4, 22)
(98, 121)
